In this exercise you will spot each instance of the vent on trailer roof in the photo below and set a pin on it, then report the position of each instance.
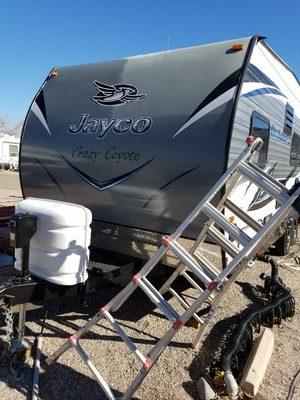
(288, 123)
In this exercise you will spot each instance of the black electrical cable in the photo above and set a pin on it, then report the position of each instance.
(281, 306)
(293, 386)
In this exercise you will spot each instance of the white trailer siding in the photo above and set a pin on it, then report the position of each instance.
(9, 150)
(267, 89)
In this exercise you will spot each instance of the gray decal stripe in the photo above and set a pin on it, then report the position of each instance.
(261, 203)
(106, 183)
(166, 185)
(224, 98)
(36, 110)
(254, 74)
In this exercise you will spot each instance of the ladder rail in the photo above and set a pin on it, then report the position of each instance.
(255, 244)
(125, 338)
(265, 183)
(231, 177)
(216, 286)
(107, 390)
(247, 154)
(159, 347)
(68, 344)
(181, 267)
(267, 176)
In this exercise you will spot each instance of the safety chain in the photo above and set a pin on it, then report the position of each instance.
(16, 369)
(9, 325)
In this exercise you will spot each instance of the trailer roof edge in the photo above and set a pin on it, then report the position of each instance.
(278, 58)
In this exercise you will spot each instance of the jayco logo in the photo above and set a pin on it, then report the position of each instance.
(115, 95)
(102, 126)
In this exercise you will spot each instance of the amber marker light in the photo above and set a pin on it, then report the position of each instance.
(231, 218)
(53, 74)
(237, 47)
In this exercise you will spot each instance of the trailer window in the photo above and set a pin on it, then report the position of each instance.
(13, 150)
(288, 122)
(295, 149)
(260, 127)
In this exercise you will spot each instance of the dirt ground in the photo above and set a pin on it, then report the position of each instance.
(175, 375)
(10, 191)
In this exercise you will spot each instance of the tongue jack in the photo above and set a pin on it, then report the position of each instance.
(22, 228)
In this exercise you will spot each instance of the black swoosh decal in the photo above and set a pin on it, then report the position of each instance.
(51, 177)
(226, 84)
(166, 185)
(106, 183)
(40, 101)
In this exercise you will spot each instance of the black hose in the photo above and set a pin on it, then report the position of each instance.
(281, 306)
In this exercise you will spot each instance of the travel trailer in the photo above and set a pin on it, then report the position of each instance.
(9, 151)
(140, 140)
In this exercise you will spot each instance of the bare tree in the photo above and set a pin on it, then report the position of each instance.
(9, 128)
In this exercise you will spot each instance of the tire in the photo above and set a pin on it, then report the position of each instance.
(282, 245)
(294, 232)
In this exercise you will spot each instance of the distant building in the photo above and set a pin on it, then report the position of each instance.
(9, 144)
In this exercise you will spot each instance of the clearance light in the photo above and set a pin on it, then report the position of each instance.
(231, 218)
(237, 47)
(53, 74)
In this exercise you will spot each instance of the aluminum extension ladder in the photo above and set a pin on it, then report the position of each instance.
(216, 282)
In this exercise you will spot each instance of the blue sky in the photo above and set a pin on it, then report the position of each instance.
(36, 35)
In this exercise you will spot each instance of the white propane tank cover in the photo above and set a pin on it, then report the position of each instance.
(59, 250)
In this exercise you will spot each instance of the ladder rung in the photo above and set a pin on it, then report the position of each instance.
(192, 281)
(242, 215)
(125, 338)
(222, 241)
(184, 304)
(189, 262)
(266, 175)
(229, 227)
(205, 263)
(263, 181)
(158, 299)
(107, 390)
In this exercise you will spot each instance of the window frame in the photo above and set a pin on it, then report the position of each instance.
(256, 114)
(14, 152)
(294, 162)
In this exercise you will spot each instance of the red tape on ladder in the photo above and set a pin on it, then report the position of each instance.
(136, 277)
(212, 285)
(147, 364)
(177, 324)
(167, 241)
(104, 309)
(73, 338)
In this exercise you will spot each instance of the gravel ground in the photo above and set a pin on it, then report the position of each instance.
(179, 367)
(10, 191)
